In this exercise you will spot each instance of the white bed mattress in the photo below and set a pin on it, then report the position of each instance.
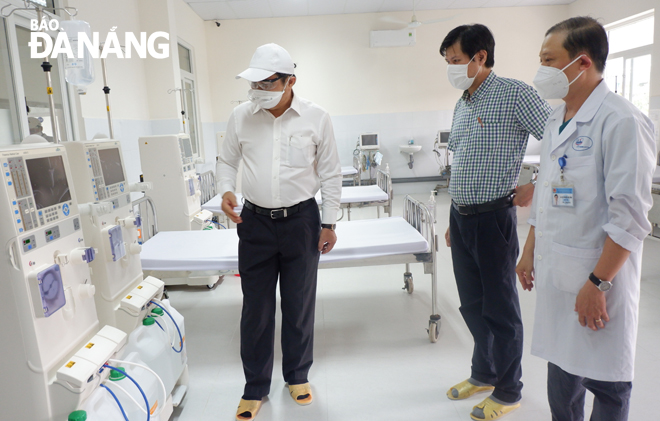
(218, 249)
(532, 159)
(348, 171)
(656, 176)
(353, 194)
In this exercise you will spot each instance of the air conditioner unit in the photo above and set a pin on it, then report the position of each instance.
(396, 38)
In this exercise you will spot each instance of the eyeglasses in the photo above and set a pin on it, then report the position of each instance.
(266, 85)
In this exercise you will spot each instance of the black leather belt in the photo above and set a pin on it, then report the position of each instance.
(278, 213)
(497, 204)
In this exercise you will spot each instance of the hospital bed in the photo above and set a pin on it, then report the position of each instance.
(370, 242)
(377, 195)
(207, 186)
(352, 172)
(654, 213)
(530, 168)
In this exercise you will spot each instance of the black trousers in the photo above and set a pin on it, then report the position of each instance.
(484, 249)
(566, 393)
(270, 248)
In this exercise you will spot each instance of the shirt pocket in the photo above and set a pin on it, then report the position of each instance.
(581, 172)
(301, 151)
(571, 266)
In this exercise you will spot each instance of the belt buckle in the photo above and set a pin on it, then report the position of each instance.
(273, 216)
(460, 209)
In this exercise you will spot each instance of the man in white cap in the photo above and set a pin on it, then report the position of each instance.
(288, 151)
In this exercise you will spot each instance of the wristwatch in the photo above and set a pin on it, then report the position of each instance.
(600, 284)
(329, 226)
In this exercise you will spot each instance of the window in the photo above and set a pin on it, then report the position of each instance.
(9, 127)
(189, 98)
(628, 69)
(24, 102)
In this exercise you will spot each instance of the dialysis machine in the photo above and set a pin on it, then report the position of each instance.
(123, 296)
(52, 346)
(168, 163)
(110, 226)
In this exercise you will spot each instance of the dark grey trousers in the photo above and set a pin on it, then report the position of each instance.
(270, 248)
(484, 249)
(566, 395)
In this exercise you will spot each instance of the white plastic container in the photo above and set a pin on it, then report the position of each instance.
(147, 381)
(153, 346)
(182, 357)
(101, 406)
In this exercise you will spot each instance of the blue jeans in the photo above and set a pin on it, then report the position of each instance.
(566, 394)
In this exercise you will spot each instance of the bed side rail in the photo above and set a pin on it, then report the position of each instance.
(146, 209)
(384, 181)
(357, 178)
(418, 215)
(208, 186)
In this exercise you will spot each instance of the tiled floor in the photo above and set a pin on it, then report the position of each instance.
(373, 359)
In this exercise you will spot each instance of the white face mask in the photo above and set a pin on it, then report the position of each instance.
(552, 83)
(266, 99)
(458, 75)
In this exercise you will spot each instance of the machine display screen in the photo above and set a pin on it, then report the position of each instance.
(113, 172)
(369, 140)
(48, 180)
(444, 137)
(187, 148)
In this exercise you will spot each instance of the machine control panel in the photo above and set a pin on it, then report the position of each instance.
(37, 201)
(29, 243)
(52, 233)
(107, 179)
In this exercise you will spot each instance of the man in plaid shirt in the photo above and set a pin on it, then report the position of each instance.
(492, 122)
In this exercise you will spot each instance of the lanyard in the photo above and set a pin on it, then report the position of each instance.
(562, 163)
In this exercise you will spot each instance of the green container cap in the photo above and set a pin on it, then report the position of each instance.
(148, 321)
(78, 416)
(157, 310)
(115, 375)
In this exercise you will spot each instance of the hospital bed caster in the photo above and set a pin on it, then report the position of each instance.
(408, 282)
(434, 328)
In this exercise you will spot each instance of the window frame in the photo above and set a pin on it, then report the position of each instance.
(21, 18)
(190, 77)
(633, 52)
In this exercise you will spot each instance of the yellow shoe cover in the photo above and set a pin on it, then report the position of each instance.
(465, 389)
(301, 393)
(247, 410)
(491, 410)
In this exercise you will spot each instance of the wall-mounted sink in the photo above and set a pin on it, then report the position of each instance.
(411, 149)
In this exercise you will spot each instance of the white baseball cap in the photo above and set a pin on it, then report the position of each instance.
(266, 61)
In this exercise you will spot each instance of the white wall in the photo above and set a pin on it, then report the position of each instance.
(400, 93)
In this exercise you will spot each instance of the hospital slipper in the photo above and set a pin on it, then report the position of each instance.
(491, 410)
(465, 389)
(301, 393)
(247, 410)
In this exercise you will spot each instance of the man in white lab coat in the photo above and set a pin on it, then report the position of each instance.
(584, 247)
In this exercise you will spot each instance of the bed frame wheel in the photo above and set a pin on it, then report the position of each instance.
(434, 331)
(434, 328)
(408, 284)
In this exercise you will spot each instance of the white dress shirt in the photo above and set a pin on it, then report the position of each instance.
(286, 159)
(610, 160)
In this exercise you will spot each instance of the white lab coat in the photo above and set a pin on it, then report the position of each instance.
(611, 158)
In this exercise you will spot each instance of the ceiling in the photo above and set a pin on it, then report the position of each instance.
(252, 9)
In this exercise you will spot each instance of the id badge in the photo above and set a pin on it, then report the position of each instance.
(563, 195)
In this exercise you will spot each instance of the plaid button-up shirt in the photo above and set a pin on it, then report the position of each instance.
(489, 135)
